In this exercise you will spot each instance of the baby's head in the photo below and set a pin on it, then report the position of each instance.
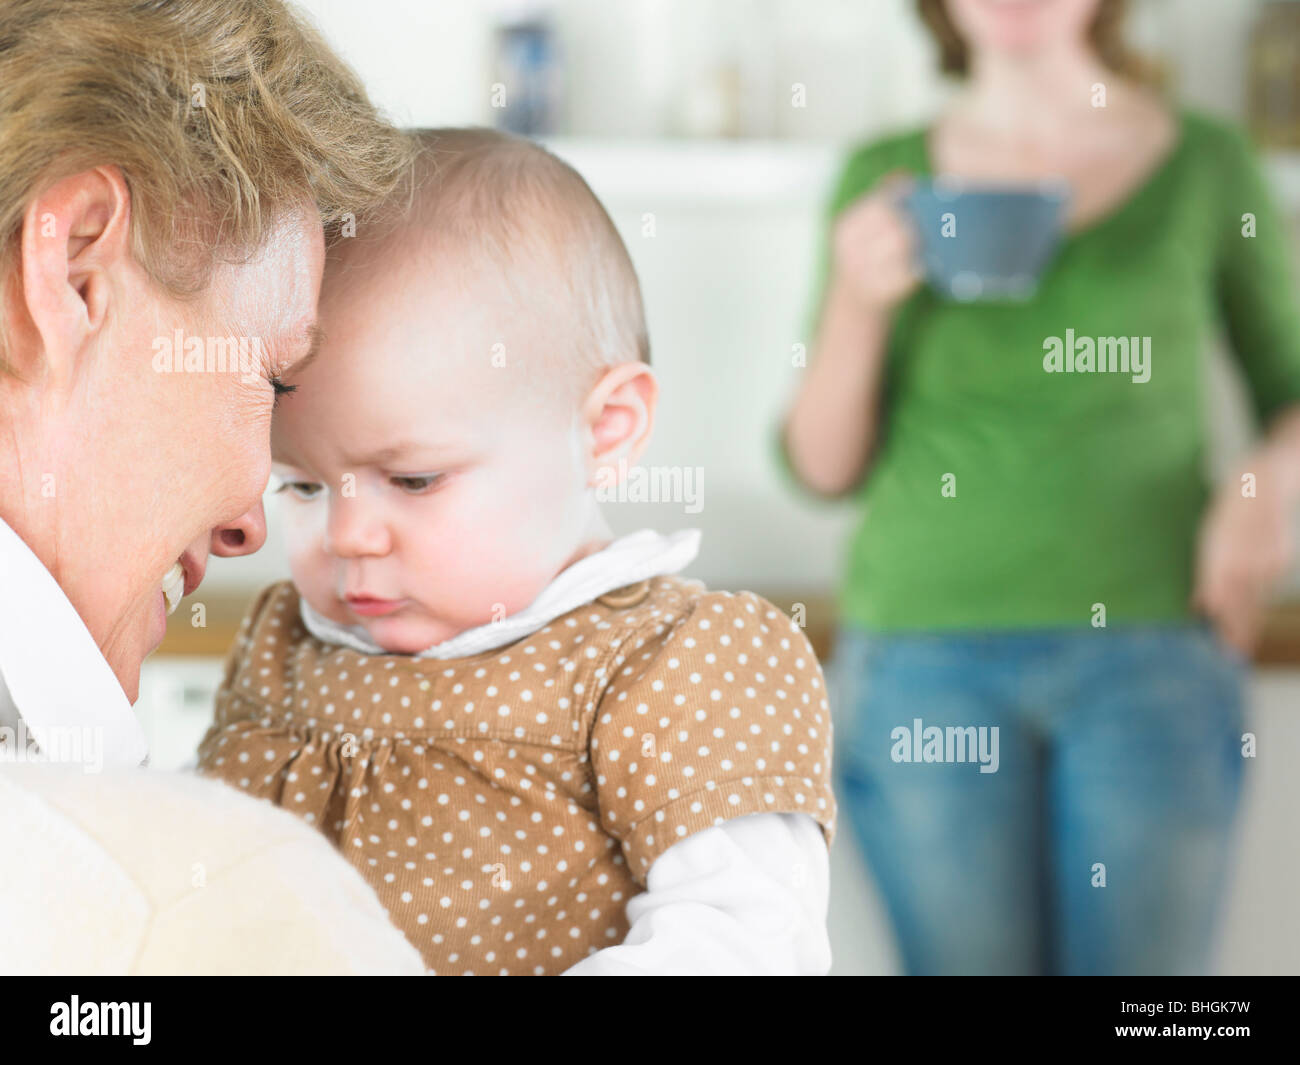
(483, 356)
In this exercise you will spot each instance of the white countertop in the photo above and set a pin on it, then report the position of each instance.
(750, 173)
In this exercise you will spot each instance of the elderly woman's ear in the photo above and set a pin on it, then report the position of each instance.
(134, 439)
(76, 244)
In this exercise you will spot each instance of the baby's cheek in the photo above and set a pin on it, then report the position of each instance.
(536, 519)
(479, 568)
(464, 574)
(311, 571)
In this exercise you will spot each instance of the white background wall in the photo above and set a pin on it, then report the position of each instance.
(727, 276)
(630, 62)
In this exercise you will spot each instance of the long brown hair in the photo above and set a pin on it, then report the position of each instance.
(1106, 35)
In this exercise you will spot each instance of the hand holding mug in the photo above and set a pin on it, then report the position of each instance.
(875, 259)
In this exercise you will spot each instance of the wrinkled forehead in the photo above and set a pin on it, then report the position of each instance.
(275, 290)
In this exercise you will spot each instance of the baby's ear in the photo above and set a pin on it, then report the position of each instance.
(619, 414)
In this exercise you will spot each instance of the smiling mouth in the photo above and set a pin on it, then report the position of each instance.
(173, 586)
(184, 576)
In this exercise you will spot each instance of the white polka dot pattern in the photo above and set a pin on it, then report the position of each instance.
(505, 806)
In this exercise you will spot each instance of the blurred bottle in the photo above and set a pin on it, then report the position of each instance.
(726, 66)
(710, 107)
(527, 79)
(1275, 75)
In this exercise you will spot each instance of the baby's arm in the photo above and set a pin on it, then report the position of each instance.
(711, 751)
(745, 898)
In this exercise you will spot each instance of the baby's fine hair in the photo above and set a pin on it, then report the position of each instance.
(508, 201)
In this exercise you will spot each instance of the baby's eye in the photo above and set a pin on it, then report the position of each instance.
(303, 490)
(416, 485)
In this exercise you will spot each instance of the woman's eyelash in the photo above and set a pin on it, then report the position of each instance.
(281, 389)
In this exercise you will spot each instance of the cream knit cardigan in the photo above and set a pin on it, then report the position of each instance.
(140, 871)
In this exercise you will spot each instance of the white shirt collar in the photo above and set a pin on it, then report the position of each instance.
(55, 683)
(629, 559)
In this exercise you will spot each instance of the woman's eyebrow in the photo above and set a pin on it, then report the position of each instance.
(286, 343)
(315, 336)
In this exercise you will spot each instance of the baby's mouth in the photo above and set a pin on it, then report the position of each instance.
(173, 586)
(372, 607)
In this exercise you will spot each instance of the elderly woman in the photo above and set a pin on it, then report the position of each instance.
(168, 172)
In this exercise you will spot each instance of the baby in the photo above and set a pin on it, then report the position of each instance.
(546, 750)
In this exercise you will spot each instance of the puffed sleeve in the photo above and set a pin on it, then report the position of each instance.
(719, 712)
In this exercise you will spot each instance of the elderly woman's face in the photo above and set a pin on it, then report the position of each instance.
(178, 448)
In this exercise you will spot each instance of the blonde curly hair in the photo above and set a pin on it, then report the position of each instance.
(221, 116)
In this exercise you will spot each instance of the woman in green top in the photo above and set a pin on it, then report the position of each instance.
(1041, 571)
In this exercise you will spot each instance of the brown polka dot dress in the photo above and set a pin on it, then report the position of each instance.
(507, 805)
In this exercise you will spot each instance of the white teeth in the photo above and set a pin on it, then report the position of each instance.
(173, 586)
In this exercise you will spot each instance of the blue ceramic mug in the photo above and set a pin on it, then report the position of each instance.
(986, 242)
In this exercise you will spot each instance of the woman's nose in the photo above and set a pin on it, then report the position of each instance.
(242, 536)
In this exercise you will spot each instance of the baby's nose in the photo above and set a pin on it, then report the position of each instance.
(354, 530)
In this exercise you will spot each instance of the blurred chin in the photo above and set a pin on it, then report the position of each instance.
(1011, 27)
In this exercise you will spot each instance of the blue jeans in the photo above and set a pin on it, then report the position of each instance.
(1101, 841)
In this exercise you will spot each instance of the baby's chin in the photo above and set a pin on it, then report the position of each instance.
(408, 636)
(407, 632)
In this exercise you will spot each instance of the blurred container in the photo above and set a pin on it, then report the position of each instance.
(711, 105)
(526, 65)
(1274, 96)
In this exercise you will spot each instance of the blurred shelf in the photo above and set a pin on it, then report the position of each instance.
(224, 610)
(1279, 644)
(704, 173)
(748, 173)
(1283, 169)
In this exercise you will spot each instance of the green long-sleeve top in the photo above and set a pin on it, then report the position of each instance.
(1001, 495)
